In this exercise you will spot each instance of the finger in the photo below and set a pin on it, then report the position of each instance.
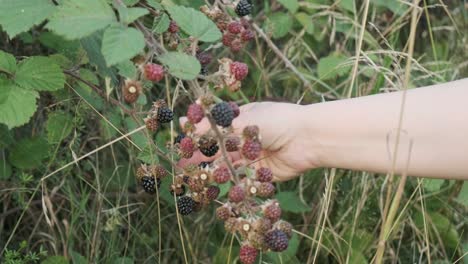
(195, 159)
(201, 128)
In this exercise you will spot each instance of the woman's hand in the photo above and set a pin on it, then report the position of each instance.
(282, 134)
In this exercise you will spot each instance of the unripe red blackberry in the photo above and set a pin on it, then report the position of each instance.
(251, 149)
(230, 225)
(186, 147)
(248, 254)
(195, 113)
(264, 174)
(235, 108)
(131, 91)
(251, 132)
(236, 194)
(185, 204)
(223, 213)
(212, 192)
(154, 72)
(173, 27)
(236, 45)
(228, 38)
(222, 175)
(262, 225)
(196, 185)
(208, 146)
(284, 226)
(239, 70)
(266, 190)
(234, 27)
(159, 171)
(247, 35)
(232, 143)
(277, 240)
(272, 211)
(222, 114)
(165, 115)
(151, 124)
(243, 8)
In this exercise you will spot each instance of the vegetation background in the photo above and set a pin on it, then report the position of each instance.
(311, 51)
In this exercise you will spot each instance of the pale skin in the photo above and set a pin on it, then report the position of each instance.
(360, 133)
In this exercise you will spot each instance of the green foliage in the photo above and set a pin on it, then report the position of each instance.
(40, 74)
(432, 185)
(181, 65)
(291, 5)
(55, 260)
(290, 202)
(18, 16)
(59, 125)
(332, 66)
(16, 105)
(77, 19)
(121, 43)
(7, 62)
(29, 153)
(194, 23)
(161, 24)
(279, 24)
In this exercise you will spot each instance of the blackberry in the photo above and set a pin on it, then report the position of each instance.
(148, 184)
(186, 205)
(209, 151)
(179, 138)
(212, 192)
(277, 240)
(248, 254)
(178, 190)
(243, 8)
(204, 70)
(223, 114)
(165, 115)
(204, 164)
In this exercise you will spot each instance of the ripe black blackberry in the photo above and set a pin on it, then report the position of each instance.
(209, 150)
(244, 8)
(222, 114)
(186, 205)
(204, 164)
(165, 115)
(149, 183)
(277, 240)
(179, 138)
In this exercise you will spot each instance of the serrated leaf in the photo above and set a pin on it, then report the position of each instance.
(280, 24)
(290, 202)
(29, 153)
(161, 23)
(330, 67)
(181, 65)
(121, 43)
(77, 19)
(306, 22)
(17, 16)
(18, 104)
(59, 126)
(463, 195)
(148, 155)
(291, 5)
(93, 45)
(194, 23)
(39, 73)
(155, 4)
(130, 2)
(127, 69)
(128, 15)
(224, 188)
(7, 62)
(432, 185)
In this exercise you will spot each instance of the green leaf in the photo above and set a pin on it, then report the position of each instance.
(148, 155)
(290, 202)
(5, 170)
(77, 258)
(442, 224)
(121, 43)
(59, 126)
(40, 73)
(77, 19)
(6, 137)
(155, 4)
(161, 24)
(195, 23)
(181, 65)
(291, 5)
(29, 153)
(127, 69)
(128, 15)
(330, 67)
(17, 105)
(124, 260)
(280, 23)
(347, 5)
(17, 16)
(55, 260)
(130, 2)
(306, 21)
(433, 185)
(7, 62)
(463, 195)
(224, 188)
(93, 45)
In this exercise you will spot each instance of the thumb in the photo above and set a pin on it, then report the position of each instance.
(201, 128)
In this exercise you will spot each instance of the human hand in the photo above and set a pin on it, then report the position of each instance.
(282, 134)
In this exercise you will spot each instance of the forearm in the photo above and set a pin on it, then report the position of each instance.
(361, 133)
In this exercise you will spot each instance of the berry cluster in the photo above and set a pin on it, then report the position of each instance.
(149, 177)
(158, 114)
